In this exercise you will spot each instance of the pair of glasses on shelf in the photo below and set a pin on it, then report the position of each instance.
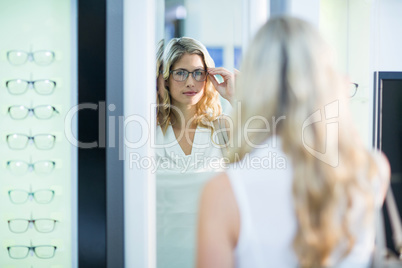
(20, 167)
(19, 226)
(42, 112)
(20, 86)
(43, 196)
(22, 251)
(40, 57)
(18, 141)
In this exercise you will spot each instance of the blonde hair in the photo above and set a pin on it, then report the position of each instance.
(288, 71)
(208, 108)
(159, 64)
(159, 56)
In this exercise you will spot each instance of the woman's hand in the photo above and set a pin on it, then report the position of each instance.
(227, 87)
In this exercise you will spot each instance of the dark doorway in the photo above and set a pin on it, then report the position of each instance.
(389, 134)
(91, 161)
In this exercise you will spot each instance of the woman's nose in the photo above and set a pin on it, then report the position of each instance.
(190, 80)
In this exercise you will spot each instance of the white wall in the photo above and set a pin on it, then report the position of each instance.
(366, 37)
(346, 25)
(388, 35)
(159, 20)
(215, 23)
(254, 14)
(306, 9)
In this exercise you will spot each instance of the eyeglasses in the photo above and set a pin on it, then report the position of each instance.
(18, 167)
(181, 75)
(20, 226)
(21, 252)
(353, 89)
(18, 112)
(18, 197)
(20, 86)
(40, 57)
(20, 141)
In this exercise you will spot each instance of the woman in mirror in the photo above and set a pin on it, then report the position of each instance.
(314, 209)
(188, 107)
(188, 149)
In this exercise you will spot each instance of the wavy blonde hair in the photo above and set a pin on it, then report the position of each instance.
(159, 66)
(288, 71)
(208, 108)
(159, 56)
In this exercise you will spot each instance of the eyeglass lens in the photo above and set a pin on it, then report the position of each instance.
(18, 252)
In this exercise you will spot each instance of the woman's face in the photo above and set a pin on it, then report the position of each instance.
(189, 91)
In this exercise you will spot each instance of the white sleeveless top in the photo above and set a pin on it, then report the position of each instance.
(179, 181)
(262, 185)
(205, 156)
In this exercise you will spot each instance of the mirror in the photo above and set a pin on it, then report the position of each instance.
(217, 25)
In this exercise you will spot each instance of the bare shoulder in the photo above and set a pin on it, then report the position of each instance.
(385, 167)
(218, 224)
(218, 185)
(218, 203)
(384, 176)
(218, 196)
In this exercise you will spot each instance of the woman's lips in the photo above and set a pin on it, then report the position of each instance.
(190, 93)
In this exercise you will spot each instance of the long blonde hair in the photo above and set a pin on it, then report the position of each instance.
(208, 108)
(159, 56)
(288, 71)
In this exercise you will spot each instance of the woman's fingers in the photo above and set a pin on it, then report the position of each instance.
(225, 88)
(222, 72)
(214, 81)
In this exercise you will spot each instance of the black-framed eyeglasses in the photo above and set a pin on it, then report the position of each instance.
(353, 89)
(181, 75)
(43, 196)
(20, 226)
(20, 167)
(18, 141)
(20, 86)
(21, 252)
(18, 112)
(40, 57)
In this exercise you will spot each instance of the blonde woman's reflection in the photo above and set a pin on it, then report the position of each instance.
(188, 147)
(308, 209)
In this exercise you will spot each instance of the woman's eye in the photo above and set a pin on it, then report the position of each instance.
(180, 73)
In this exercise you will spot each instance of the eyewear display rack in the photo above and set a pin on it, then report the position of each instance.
(37, 134)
